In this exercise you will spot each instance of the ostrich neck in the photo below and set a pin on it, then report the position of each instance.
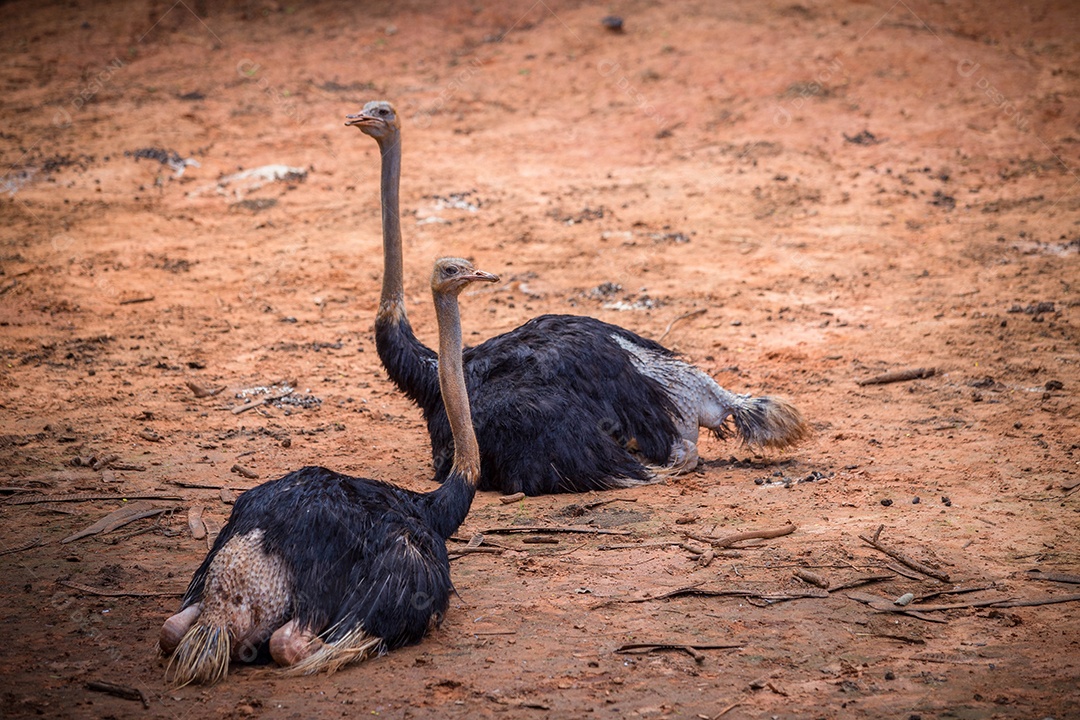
(449, 505)
(454, 393)
(392, 302)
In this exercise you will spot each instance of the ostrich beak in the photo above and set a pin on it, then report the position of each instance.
(358, 119)
(481, 275)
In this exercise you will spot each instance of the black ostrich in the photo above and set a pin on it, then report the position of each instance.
(563, 403)
(322, 568)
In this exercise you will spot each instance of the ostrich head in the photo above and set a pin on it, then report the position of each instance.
(451, 275)
(378, 119)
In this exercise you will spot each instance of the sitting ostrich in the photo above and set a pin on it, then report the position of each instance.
(563, 403)
(324, 568)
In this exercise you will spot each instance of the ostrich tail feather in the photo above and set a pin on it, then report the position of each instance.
(355, 646)
(201, 657)
(769, 422)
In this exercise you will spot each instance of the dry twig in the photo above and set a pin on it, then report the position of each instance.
(81, 497)
(898, 376)
(117, 519)
(768, 597)
(684, 316)
(32, 543)
(896, 554)
(1052, 576)
(691, 650)
(552, 529)
(120, 691)
(739, 537)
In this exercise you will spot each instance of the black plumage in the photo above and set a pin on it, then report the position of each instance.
(360, 551)
(555, 405)
(320, 568)
(563, 403)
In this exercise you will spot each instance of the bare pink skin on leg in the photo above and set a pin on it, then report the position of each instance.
(289, 644)
(175, 628)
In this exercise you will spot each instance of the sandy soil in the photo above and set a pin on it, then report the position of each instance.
(844, 189)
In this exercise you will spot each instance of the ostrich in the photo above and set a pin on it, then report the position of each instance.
(321, 568)
(563, 403)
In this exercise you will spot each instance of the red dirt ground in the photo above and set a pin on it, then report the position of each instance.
(844, 189)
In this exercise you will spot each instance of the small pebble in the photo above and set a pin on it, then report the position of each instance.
(614, 23)
(946, 501)
(886, 502)
(915, 500)
(904, 599)
(890, 675)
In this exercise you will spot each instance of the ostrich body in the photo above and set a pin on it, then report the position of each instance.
(321, 568)
(563, 403)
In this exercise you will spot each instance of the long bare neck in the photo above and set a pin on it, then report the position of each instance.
(392, 302)
(454, 394)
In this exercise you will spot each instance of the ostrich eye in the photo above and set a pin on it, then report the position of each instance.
(452, 269)
(384, 112)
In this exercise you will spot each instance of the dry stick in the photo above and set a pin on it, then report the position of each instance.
(726, 710)
(812, 577)
(885, 605)
(137, 299)
(691, 650)
(244, 472)
(202, 391)
(889, 606)
(738, 537)
(733, 592)
(116, 519)
(120, 691)
(896, 554)
(25, 546)
(85, 498)
(901, 570)
(472, 550)
(954, 591)
(1049, 600)
(552, 529)
(477, 540)
(118, 593)
(261, 401)
(856, 582)
(631, 546)
(1053, 576)
(898, 376)
(598, 503)
(692, 549)
(130, 467)
(507, 499)
(684, 316)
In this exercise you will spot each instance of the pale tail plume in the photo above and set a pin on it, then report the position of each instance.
(769, 422)
(201, 657)
(355, 646)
